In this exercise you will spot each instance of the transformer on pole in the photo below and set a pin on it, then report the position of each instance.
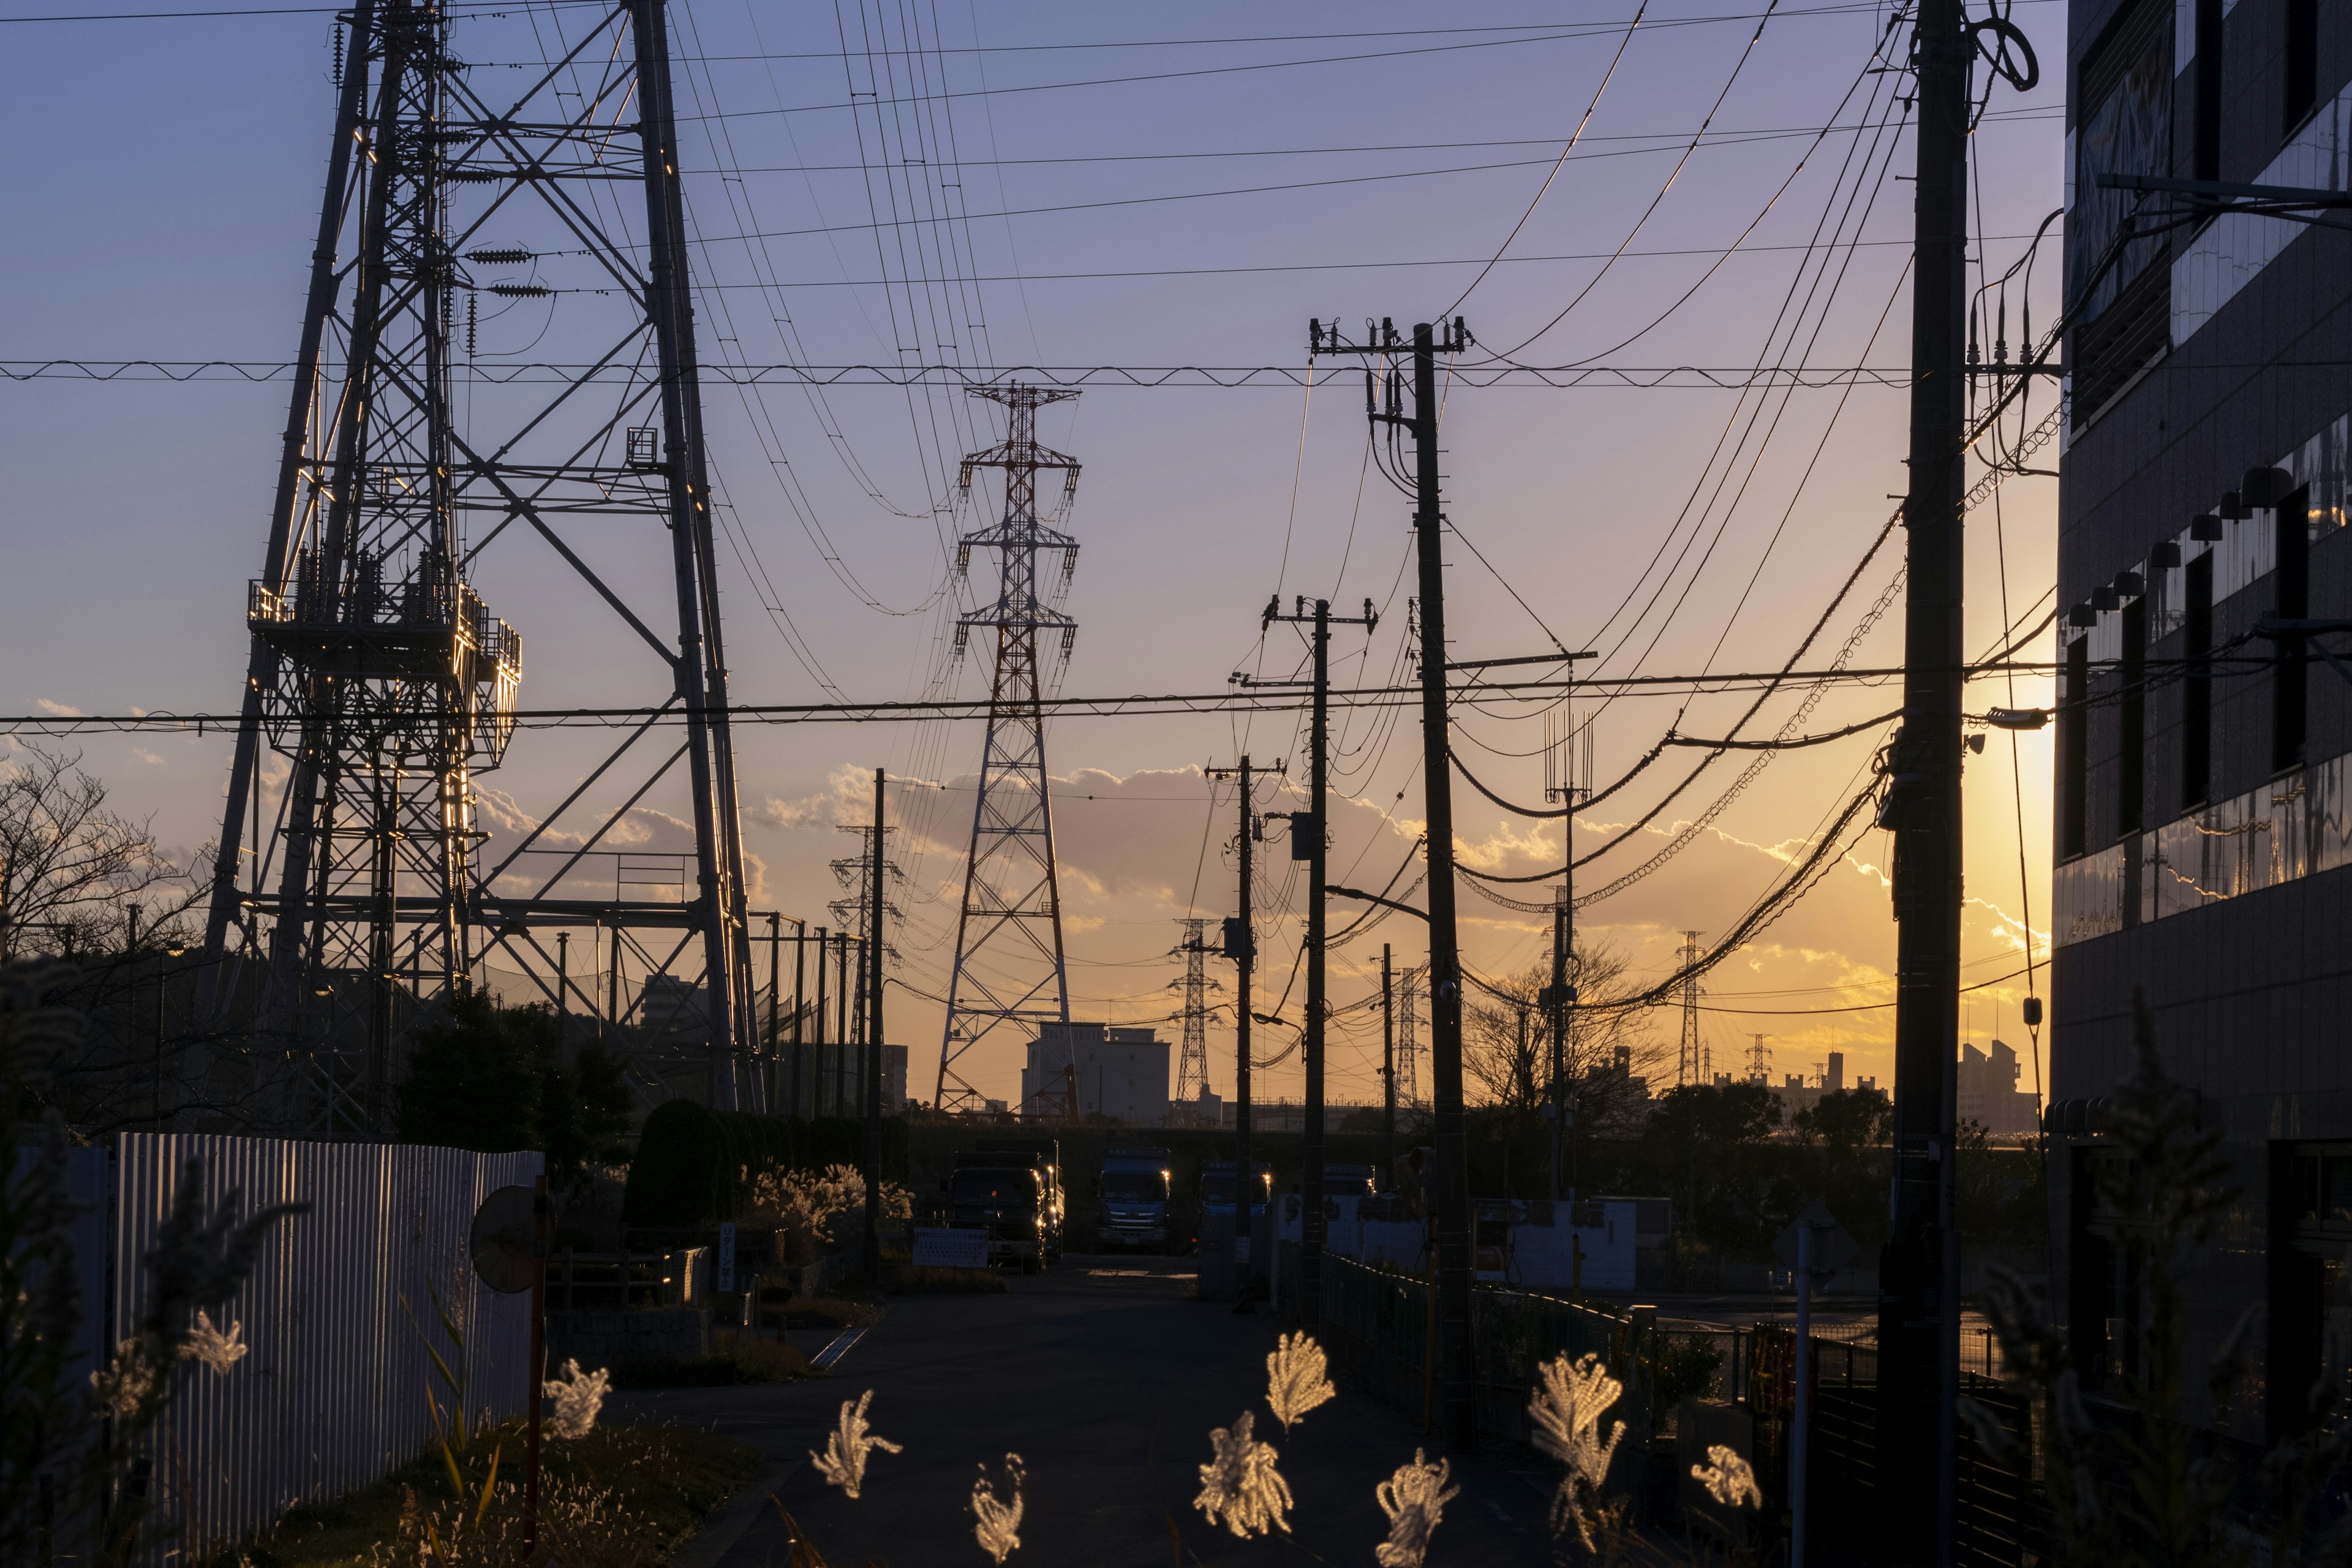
(1009, 963)
(367, 884)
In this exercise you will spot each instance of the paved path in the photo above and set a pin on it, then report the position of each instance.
(1105, 1380)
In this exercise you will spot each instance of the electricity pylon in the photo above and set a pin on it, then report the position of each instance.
(1408, 997)
(367, 887)
(1692, 1066)
(1193, 1066)
(1012, 910)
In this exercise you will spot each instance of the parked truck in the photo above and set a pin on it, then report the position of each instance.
(1011, 1189)
(1132, 1201)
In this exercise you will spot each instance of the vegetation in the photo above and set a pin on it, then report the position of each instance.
(697, 1166)
(2152, 1488)
(494, 1078)
(76, 1501)
(622, 1495)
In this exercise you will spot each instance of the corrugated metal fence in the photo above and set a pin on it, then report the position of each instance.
(331, 1392)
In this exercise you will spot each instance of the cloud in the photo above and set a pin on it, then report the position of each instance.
(60, 709)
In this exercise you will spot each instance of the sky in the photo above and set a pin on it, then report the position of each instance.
(1131, 189)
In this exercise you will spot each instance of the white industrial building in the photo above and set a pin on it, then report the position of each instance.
(1111, 1071)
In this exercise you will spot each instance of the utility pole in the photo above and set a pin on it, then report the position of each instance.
(800, 1015)
(1569, 762)
(1317, 843)
(874, 907)
(1457, 1370)
(1241, 946)
(1918, 1301)
(816, 1060)
(1388, 1072)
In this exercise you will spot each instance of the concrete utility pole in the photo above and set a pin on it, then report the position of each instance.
(1457, 1370)
(1388, 1072)
(1569, 765)
(874, 907)
(1241, 946)
(1317, 844)
(1918, 1304)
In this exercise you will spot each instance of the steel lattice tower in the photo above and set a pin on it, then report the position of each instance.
(1009, 964)
(369, 888)
(1692, 1064)
(1193, 1067)
(1408, 994)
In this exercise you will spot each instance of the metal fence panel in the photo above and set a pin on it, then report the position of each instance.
(331, 1395)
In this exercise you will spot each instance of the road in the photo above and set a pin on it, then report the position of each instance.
(1106, 1378)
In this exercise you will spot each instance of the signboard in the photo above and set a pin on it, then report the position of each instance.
(1833, 1247)
(727, 1256)
(940, 1247)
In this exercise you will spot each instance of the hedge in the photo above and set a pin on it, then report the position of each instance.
(694, 1165)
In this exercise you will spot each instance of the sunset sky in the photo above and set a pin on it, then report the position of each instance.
(1153, 204)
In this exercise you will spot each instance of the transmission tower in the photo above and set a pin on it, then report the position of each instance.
(367, 887)
(1759, 1060)
(1009, 967)
(1192, 1068)
(1692, 1066)
(1408, 994)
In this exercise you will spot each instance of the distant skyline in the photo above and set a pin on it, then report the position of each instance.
(1171, 203)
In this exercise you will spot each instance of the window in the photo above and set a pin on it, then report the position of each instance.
(2301, 63)
(2131, 773)
(2205, 156)
(2294, 603)
(2197, 687)
(2125, 86)
(2073, 751)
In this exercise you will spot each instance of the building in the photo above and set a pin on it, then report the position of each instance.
(1113, 1072)
(2204, 846)
(1990, 1094)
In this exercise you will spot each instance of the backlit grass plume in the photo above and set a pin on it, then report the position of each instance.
(1241, 1488)
(842, 1463)
(1297, 1379)
(1728, 1478)
(578, 1396)
(998, 1519)
(1568, 1403)
(1414, 1499)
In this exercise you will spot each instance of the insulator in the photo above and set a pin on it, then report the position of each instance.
(963, 569)
(962, 637)
(339, 55)
(521, 291)
(470, 300)
(499, 256)
(472, 176)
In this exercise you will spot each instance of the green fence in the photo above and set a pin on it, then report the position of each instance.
(1377, 1325)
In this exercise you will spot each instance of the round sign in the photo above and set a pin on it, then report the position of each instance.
(501, 1241)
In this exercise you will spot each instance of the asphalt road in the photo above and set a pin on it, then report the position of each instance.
(1105, 1379)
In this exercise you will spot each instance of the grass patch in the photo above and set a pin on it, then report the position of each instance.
(662, 1477)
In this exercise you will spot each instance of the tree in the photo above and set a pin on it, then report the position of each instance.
(70, 870)
(1844, 1134)
(1713, 1131)
(494, 1078)
(1507, 1038)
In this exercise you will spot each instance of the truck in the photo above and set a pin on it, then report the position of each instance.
(1217, 1188)
(1131, 1200)
(1012, 1190)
